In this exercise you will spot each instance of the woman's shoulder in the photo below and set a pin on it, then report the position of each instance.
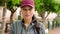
(41, 25)
(16, 22)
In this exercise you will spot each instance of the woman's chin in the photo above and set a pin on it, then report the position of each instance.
(27, 17)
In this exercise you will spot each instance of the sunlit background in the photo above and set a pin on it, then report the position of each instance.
(47, 12)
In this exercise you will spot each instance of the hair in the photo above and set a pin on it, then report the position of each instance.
(36, 26)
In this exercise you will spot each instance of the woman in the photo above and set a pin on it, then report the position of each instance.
(29, 24)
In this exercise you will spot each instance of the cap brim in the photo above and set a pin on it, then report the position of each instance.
(26, 5)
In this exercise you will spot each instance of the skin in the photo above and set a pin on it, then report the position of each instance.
(27, 13)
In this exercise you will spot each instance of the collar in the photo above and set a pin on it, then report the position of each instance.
(32, 23)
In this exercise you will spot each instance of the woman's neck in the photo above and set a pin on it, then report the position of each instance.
(27, 22)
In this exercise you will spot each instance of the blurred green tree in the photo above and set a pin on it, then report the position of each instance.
(11, 4)
(47, 5)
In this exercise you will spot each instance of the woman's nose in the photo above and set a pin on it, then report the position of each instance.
(27, 11)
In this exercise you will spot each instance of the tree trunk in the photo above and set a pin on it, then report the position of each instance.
(11, 19)
(44, 19)
(42, 15)
(4, 11)
(12, 12)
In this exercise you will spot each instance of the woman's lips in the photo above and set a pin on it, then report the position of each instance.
(27, 15)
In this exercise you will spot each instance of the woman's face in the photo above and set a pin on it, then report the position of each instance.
(27, 12)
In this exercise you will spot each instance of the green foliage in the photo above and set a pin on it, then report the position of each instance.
(47, 5)
(14, 2)
(56, 1)
(11, 3)
(38, 5)
(0, 3)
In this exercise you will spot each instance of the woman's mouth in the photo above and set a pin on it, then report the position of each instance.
(27, 15)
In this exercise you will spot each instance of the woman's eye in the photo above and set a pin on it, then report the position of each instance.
(24, 9)
(27, 9)
(30, 9)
